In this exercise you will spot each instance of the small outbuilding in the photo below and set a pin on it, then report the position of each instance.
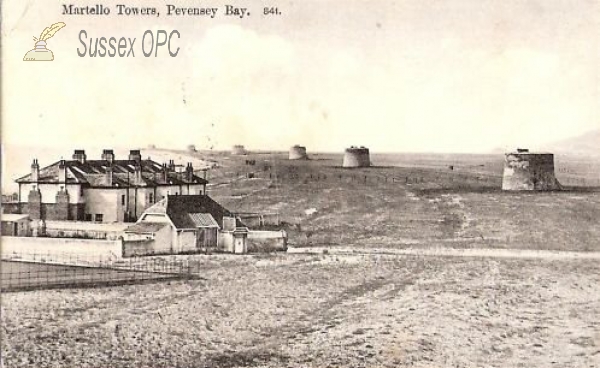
(15, 225)
(179, 224)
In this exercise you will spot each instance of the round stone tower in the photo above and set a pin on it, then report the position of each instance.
(238, 149)
(524, 170)
(357, 157)
(298, 153)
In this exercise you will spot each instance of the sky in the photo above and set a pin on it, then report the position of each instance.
(397, 76)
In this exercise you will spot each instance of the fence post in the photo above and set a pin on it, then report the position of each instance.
(29, 272)
(47, 276)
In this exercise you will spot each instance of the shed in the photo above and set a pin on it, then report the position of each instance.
(15, 225)
(191, 223)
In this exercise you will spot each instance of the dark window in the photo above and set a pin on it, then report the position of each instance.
(123, 200)
(88, 217)
(99, 217)
(151, 198)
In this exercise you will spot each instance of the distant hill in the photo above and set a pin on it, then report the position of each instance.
(587, 144)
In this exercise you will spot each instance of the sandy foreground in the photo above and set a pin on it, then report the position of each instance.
(321, 311)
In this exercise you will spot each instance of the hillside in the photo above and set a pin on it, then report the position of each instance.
(587, 144)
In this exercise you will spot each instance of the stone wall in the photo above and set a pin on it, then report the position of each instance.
(47, 211)
(266, 241)
(29, 246)
(12, 207)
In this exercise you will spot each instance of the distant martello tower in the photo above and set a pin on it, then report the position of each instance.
(524, 170)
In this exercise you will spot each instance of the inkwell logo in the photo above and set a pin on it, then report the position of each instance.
(40, 52)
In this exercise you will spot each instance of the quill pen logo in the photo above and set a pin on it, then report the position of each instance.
(40, 52)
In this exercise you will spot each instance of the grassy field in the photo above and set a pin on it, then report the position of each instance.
(413, 201)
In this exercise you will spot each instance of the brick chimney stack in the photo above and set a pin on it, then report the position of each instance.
(109, 175)
(79, 155)
(62, 172)
(135, 155)
(189, 172)
(137, 174)
(165, 173)
(108, 155)
(35, 171)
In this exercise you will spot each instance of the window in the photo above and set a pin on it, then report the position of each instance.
(88, 217)
(99, 217)
(151, 198)
(122, 199)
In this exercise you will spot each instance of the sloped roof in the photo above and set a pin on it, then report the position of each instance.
(92, 173)
(203, 220)
(146, 227)
(10, 217)
(179, 208)
(158, 208)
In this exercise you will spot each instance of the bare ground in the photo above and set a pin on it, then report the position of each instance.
(395, 290)
(320, 311)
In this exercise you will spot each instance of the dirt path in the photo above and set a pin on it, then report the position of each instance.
(451, 252)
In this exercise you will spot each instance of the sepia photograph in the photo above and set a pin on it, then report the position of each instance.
(300, 184)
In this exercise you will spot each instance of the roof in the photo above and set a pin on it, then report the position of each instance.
(180, 206)
(146, 227)
(191, 211)
(13, 217)
(529, 153)
(158, 208)
(203, 220)
(93, 173)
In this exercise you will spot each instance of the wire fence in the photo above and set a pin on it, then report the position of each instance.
(255, 219)
(24, 271)
(449, 177)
